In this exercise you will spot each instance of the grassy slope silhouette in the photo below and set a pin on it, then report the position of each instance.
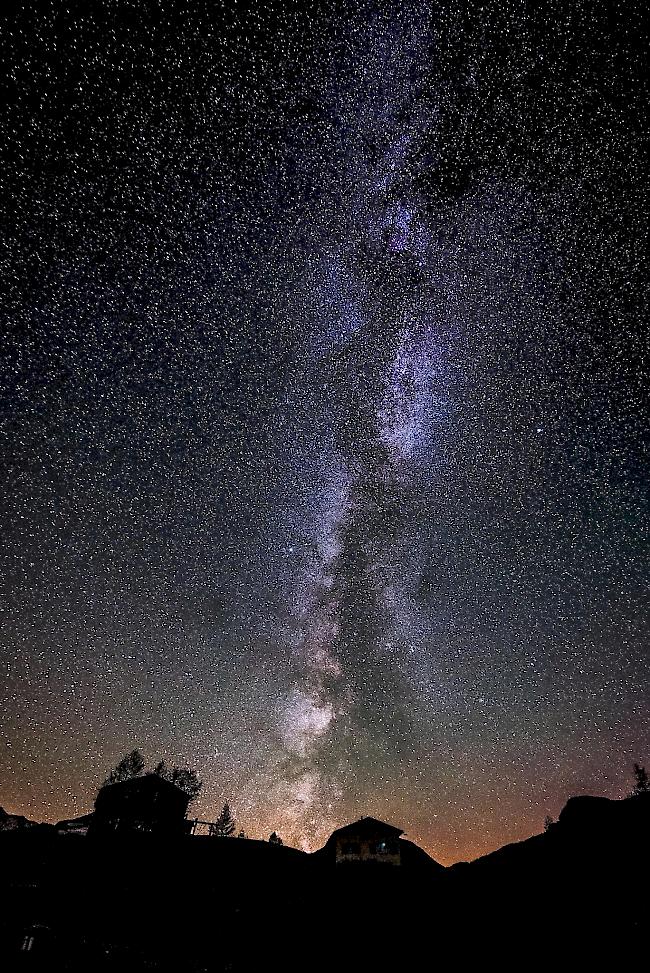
(198, 904)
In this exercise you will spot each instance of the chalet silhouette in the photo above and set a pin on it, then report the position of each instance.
(79, 826)
(374, 845)
(147, 803)
(367, 841)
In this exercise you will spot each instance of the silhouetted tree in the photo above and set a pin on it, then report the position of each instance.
(129, 766)
(162, 769)
(224, 826)
(641, 782)
(275, 839)
(548, 822)
(185, 779)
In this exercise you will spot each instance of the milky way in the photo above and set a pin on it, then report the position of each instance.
(322, 415)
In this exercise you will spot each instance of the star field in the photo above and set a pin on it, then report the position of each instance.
(324, 381)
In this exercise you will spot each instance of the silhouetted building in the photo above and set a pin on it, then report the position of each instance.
(147, 803)
(75, 825)
(367, 840)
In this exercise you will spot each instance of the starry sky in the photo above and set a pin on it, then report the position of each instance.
(322, 393)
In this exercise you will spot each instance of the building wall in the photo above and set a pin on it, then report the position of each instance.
(385, 851)
(140, 805)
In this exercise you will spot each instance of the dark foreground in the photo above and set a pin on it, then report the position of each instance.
(211, 904)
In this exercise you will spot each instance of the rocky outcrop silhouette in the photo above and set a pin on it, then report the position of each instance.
(15, 822)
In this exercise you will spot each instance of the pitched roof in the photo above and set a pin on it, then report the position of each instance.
(368, 826)
(144, 782)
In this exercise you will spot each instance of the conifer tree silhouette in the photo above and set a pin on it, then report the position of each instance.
(641, 781)
(131, 765)
(224, 826)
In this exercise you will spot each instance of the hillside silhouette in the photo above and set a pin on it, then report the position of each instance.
(145, 901)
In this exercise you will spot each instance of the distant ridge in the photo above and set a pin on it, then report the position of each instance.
(586, 825)
(103, 900)
(15, 822)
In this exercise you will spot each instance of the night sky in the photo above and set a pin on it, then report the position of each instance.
(323, 380)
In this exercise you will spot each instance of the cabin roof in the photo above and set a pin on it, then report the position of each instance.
(143, 784)
(367, 826)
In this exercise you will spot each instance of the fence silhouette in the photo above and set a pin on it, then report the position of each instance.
(201, 827)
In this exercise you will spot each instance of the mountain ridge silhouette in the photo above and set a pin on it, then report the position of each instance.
(199, 903)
